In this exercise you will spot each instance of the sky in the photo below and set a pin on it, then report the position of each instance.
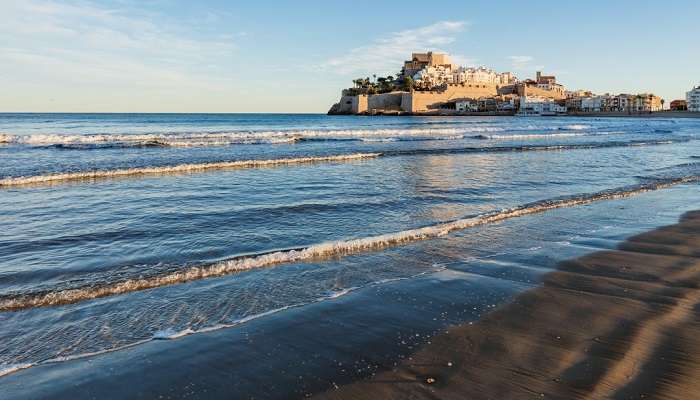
(296, 56)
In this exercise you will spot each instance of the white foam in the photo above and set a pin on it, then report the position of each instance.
(531, 136)
(253, 137)
(181, 168)
(12, 368)
(380, 139)
(319, 251)
(172, 334)
(341, 292)
(230, 138)
(168, 334)
(577, 127)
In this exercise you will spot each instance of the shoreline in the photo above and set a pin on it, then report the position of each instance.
(444, 113)
(611, 324)
(309, 350)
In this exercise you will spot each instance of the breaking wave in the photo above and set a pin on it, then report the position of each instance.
(12, 368)
(526, 148)
(200, 167)
(12, 302)
(115, 173)
(199, 139)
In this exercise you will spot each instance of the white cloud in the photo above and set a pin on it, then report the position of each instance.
(386, 54)
(81, 42)
(520, 63)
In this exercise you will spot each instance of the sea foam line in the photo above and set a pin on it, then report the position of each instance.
(320, 251)
(115, 173)
(200, 167)
(172, 334)
(226, 138)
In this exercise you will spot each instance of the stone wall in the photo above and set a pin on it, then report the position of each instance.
(417, 102)
(412, 102)
(350, 105)
(385, 101)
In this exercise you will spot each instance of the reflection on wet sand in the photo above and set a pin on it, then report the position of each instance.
(613, 324)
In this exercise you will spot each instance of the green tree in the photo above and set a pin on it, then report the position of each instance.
(408, 83)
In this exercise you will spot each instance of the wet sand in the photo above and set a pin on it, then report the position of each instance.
(621, 324)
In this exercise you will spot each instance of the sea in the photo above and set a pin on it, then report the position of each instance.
(278, 255)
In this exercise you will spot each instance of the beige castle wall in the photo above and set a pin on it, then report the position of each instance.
(525, 90)
(352, 104)
(414, 102)
(385, 101)
(361, 105)
(428, 101)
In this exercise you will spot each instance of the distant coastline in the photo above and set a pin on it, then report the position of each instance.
(431, 84)
(601, 114)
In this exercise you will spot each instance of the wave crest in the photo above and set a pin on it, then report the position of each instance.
(200, 167)
(226, 138)
(115, 173)
(320, 251)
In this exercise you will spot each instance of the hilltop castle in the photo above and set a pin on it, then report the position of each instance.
(431, 83)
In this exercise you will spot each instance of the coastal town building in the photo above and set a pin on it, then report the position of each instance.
(573, 103)
(692, 98)
(507, 104)
(430, 77)
(542, 86)
(593, 103)
(539, 106)
(498, 104)
(419, 61)
(482, 75)
(578, 93)
(574, 99)
(618, 103)
(547, 82)
(646, 102)
(467, 105)
(679, 105)
(430, 83)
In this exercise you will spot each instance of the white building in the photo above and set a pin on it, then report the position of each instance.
(593, 104)
(618, 103)
(482, 75)
(539, 106)
(447, 74)
(434, 75)
(693, 99)
(467, 106)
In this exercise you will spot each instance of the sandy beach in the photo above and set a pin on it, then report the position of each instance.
(619, 324)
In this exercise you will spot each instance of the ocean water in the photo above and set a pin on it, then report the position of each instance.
(119, 230)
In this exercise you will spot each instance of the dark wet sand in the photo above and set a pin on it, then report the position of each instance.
(621, 324)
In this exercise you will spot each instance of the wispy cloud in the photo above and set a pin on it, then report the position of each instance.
(385, 54)
(85, 42)
(520, 63)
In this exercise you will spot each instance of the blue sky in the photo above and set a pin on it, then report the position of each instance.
(295, 56)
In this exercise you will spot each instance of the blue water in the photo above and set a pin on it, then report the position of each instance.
(64, 239)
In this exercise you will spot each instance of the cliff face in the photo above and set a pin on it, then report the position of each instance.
(335, 109)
